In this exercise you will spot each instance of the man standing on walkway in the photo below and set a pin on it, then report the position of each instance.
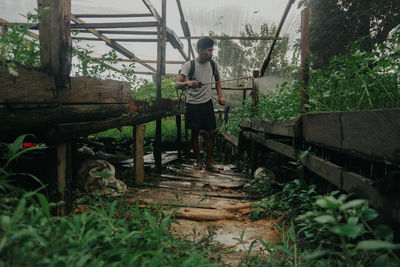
(197, 75)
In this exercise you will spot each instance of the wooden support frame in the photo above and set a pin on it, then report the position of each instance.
(138, 153)
(268, 59)
(138, 15)
(119, 48)
(64, 174)
(185, 29)
(55, 39)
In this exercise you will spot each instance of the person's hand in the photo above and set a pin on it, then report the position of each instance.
(192, 84)
(221, 101)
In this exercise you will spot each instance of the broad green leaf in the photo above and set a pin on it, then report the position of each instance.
(369, 214)
(376, 244)
(328, 202)
(348, 230)
(352, 204)
(316, 254)
(44, 203)
(325, 219)
(352, 220)
(385, 261)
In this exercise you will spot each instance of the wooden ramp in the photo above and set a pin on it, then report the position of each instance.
(208, 204)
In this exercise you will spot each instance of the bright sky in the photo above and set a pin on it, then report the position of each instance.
(219, 16)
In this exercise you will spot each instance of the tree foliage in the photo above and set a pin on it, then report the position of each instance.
(335, 24)
(239, 58)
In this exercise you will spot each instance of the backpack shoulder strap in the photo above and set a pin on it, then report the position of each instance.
(192, 69)
(214, 71)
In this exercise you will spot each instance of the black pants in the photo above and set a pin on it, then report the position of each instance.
(201, 116)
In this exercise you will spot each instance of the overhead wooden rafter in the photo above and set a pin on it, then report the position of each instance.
(113, 44)
(185, 29)
(172, 38)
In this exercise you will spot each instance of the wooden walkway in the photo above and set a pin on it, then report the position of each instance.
(209, 204)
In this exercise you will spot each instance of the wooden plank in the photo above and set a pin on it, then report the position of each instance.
(138, 15)
(374, 133)
(327, 170)
(16, 121)
(119, 48)
(343, 179)
(290, 127)
(244, 38)
(76, 129)
(179, 62)
(32, 85)
(231, 138)
(126, 40)
(108, 25)
(55, 39)
(121, 32)
(275, 146)
(178, 120)
(185, 28)
(139, 152)
(88, 90)
(255, 91)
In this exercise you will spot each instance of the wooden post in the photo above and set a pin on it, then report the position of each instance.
(161, 44)
(244, 95)
(138, 161)
(305, 58)
(64, 173)
(55, 39)
(186, 138)
(226, 113)
(179, 136)
(256, 74)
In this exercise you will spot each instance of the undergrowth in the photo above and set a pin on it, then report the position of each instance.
(105, 233)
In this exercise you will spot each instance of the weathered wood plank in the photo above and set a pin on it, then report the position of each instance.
(87, 90)
(137, 15)
(286, 127)
(55, 39)
(231, 138)
(343, 179)
(32, 85)
(16, 121)
(115, 25)
(374, 133)
(64, 173)
(275, 146)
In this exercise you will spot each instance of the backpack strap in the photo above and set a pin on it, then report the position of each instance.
(192, 69)
(214, 70)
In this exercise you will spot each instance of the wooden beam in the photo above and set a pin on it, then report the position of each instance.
(64, 175)
(170, 34)
(305, 59)
(255, 91)
(121, 32)
(127, 40)
(268, 59)
(244, 38)
(178, 120)
(374, 134)
(343, 179)
(287, 127)
(275, 146)
(144, 24)
(55, 39)
(138, 160)
(185, 28)
(139, 15)
(119, 48)
(161, 45)
(146, 61)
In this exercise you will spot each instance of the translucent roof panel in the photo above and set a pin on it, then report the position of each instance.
(218, 16)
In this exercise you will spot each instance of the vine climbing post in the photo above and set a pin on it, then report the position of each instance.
(305, 58)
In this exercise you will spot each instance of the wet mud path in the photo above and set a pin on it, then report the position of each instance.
(210, 205)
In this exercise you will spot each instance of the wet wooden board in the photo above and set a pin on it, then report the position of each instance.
(191, 191)
(287, 127)
(187, 170)
(374, 133)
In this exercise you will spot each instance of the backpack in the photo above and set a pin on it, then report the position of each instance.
(193, 67)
